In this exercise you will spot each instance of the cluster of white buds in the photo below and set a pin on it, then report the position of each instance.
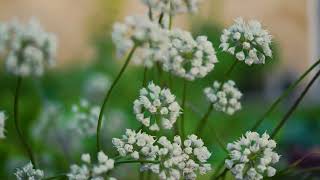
(249, 42)
(89, 171)
(136, 145)
(2, 125)
(147, 36)
(28, 49)
(28, 172)
(156, 108)
(224, 97)
(172, 7)
(187, 57)
(85, 118)
(178, 160)
(96, 86)
(251, 156)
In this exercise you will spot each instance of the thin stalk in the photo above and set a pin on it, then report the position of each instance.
(217, 170)
(284, 95)
(124, 67)
(56, 177)
(160, 19)
(203, 121)
(170, 81)
(17, 124)
(145, 72)
(230, 70)
(183, 105)
(295, 105)
(135, 161)
(160, 72)
(223, 174)
(220, 142)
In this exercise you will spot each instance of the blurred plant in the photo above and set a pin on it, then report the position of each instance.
(2, 125)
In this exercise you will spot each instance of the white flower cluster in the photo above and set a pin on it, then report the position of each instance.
(178, 160)
(96, 86)
(189, 58)
(29, 173)
(89, 171)
(249, 42)
(149, 38)
(224, 97)
(85, 118)
(136, 145)
(251, 157)
(2, 125)
(156, 107)
(173, 6)
(28, 49)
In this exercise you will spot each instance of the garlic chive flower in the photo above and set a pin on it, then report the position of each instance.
(27, 49)
(177, 160)
(28, 172)
(248, 42)
(156, 108)
(89, 171)
(224, 97)
(137, 145)
(2, 125)
(173, 7)
(85, 118)
(187, 57)
(138, 31)
(252, 156)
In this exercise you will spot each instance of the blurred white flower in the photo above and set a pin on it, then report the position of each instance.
(85, 118)
(156, 108)
(89, 171)
(224, 97)
(248, 42)
(251, 156)
(187, 57)
(96, 86)
(2, 125)
(117, 120)
(149, 38)
(29, 173)
(28, 49)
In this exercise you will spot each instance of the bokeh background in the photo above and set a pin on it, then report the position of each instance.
(87, 64)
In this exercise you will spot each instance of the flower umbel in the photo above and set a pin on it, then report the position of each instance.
(156, 108)
(251, 156)
(187, 57)
(249, 42)
(29, 173)
(224, 97)
(28, 49)
(2, 125)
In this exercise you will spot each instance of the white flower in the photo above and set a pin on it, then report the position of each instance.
(149, 38)
(28, 49)
(29, 173)
(249, 42)
(89, 171)
(156, 108)
(172, 6)
(224, 97)
(85, 118)
(96, 86)
(2, 125)
(251, 156)
(187, 57)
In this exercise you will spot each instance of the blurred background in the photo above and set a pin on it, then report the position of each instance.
(87, 65)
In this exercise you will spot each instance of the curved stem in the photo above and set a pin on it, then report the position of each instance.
(295, 105)
(183, 105)
(203, 121)
(135, 161)
(284, 95)
(124, 67)
(16, 122)
(230, 70)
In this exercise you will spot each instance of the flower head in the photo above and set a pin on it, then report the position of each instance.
(2, 125)
(28, 172)
(89, 171)
(85, 118)
(28, 49)
(96, 86)
(224, 97)
(187, 57)
(249, 42)
(148, 37)
(156, 108)
(251, 156)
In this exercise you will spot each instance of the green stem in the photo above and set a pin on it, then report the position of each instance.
(17, 124)
(135, 161)
(230, 70)
(56, 177)
(223, 174)
(294, 106)
(108, 96)
(183, 105)
(203, 121)
(145, 72)
(284, 95)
